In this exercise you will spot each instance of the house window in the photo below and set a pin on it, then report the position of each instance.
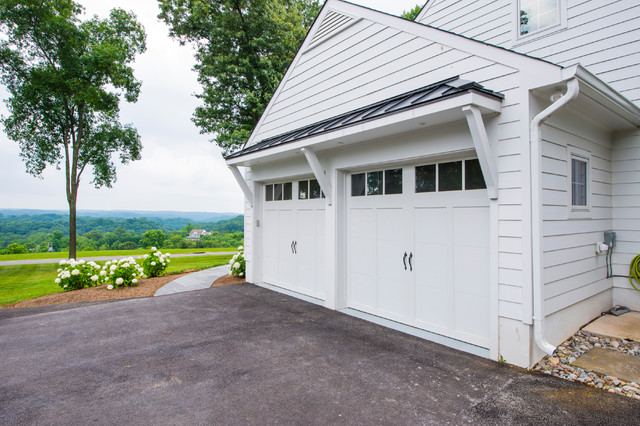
(278, 191)
(578, 182)
(377, 183)
(536, 15)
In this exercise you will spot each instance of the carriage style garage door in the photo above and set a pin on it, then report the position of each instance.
(418, 248)
(293, 236)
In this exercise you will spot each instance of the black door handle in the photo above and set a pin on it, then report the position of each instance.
(410, 265)
(292, 247)
(404, 260)
(295, 247)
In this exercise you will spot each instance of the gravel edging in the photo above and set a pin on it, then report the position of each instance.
(559, 365)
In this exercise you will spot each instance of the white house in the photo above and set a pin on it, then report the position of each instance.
(451, 177)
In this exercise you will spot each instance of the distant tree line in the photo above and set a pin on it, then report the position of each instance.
(22, 234)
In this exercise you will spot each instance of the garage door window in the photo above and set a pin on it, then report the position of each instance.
(309, 190)
(278, 191)
(377, 183)
(450, 176)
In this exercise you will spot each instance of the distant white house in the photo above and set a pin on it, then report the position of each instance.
(195, 234)
(472, 164)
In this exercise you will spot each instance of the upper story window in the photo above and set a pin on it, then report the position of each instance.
(536, 15)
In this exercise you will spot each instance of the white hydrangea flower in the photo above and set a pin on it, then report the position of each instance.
(153, 263)
(168, 260)
(134, 281)
(57, 281)
(94, 278)
(110, 287)
(75, 272)
(241, 274)
(119, 281)
(72, 260)
(103, 273)
(81, 262)
(65, 286)
(232, 261)
(236, 265)
(153, 249)
(62, 262)
(113, 268)
(241, 248)
(145, 256)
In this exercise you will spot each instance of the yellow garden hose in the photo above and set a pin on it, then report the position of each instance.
(634, 272)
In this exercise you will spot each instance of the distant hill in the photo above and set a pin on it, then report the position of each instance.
(129, 214)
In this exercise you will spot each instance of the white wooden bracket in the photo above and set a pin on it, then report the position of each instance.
(318, 172)
(243, 184)
(486, 158)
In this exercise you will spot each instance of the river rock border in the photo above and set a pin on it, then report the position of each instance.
(559, 365)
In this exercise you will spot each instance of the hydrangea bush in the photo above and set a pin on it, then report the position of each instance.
(75, 274)
(238, 264)
(155, 262)
(121, 273)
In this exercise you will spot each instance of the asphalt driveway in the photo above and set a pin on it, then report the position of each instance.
(241, 354)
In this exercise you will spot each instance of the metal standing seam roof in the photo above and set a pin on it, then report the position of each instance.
(445, 89)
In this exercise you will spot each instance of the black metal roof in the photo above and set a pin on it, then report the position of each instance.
(451, 87)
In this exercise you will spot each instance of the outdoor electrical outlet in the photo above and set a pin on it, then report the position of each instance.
(601, 247)
(610, 239)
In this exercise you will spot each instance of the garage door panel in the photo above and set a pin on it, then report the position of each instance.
(432, 309)
(431, 226)
(471, 266)
(471, 226)
(472, 316)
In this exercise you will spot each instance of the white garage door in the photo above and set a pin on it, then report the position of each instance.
(293, 236)
(418, 248)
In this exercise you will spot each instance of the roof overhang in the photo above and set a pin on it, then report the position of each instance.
(444, 111)
(596, 100)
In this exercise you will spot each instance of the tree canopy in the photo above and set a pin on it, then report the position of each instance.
(411, 14)
(243, 50)
(66, 78)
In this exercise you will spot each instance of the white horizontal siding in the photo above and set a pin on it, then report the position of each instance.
(601, 35)
(366, 63)
(572, 271)
(626, 213)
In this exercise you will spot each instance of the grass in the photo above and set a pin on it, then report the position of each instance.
(22, 282)
(107, 253)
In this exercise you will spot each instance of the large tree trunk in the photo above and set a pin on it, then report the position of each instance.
(72, 222)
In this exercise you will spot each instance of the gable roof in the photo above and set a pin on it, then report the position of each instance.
(345, 14)
(454, 86)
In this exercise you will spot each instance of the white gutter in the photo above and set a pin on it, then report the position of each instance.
(536, 212)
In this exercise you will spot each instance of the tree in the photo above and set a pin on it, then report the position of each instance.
(65, 78)
(243, 50)
(15, 248)
(412, 13)
(153, 238)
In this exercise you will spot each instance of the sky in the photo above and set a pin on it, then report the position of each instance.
(180, 169)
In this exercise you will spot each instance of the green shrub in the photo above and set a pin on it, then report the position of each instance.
(127, 245)
(74, 275)
(15, 248)
(238, 264)
(121, 273)
(155, 262)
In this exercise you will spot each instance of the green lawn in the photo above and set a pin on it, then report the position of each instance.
(22, 282)
(114, 253)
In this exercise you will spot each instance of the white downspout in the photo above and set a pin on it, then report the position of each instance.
(536, 213)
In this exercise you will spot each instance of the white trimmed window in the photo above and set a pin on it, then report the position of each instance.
(537, 15)
(579, 172)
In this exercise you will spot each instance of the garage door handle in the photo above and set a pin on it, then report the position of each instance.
(410, 265)
(295, 247)
(293, 252)
(404, 260)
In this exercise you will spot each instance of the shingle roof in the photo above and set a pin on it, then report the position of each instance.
(451, 87)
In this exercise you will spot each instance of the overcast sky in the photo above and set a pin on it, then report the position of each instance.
(180, 169)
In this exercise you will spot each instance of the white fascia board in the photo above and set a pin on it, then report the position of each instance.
(424, 10)
(536, 68)
(358, 133)
(611, 98)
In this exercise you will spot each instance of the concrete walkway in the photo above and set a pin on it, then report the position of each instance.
(194, 281)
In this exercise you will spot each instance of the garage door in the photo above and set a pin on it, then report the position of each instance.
(418, 248)
(293, 236)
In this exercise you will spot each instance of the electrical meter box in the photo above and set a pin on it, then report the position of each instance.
(610, 239)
